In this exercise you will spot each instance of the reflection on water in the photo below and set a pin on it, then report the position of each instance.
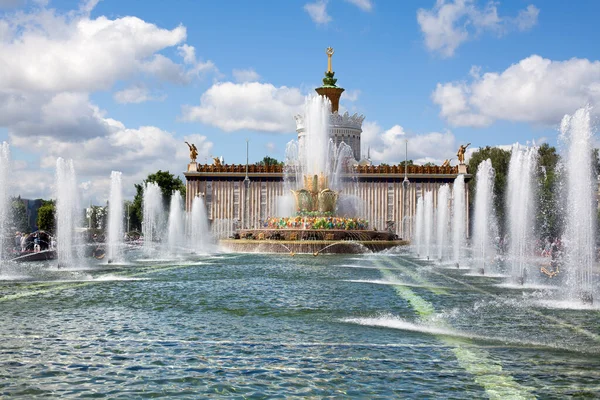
(382, 326)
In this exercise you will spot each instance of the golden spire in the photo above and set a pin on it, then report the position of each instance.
(329, 53)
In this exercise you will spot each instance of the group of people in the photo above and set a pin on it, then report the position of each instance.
(22, 244)
(549, 247)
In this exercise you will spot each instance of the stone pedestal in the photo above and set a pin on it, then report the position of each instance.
(462, 168)
(192, 167)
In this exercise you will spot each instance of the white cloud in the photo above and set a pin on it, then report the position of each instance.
(350, 95)
(245, 75)
(318, 12)
(527, 18)
(535, 90)
(45, 51)
(52, 61)
(365, 5)
(388, 146)
(450, 23)
(135, 152)
(136, 94)
(250, 105)
(64, 115)
(270, 146)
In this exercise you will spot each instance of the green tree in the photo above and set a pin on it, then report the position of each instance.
(268, 161)
(500, 159)
(19, 215)
(407, 162)
(45, 218)
(167, 182)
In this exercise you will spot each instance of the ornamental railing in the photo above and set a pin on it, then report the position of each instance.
(360, 169)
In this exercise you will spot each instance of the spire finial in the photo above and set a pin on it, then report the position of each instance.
(329, 51)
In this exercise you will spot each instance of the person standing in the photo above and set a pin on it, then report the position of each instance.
(17, 241)
(23, 242)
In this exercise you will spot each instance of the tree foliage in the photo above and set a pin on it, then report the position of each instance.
(548, 219)
(19, 215)
(45, 218)
(167, 182)
(500, 160)
(268, 161)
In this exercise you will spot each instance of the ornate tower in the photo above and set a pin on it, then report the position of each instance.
(343, 128)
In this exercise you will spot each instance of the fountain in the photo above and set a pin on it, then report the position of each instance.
(4, 189)
(66, 209)
(521, 209)
(458, 219)
(199, 233)
(581, 185)
(484, 222)
(442, 220)
(316, 172)
(420, 228)
(115, 218)
(176, 234)
(153, 211)
(428, 219)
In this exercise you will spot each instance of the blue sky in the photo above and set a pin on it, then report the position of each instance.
(119, 85)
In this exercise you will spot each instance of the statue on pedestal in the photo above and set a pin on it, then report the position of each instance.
(193, 151)
(461, 153)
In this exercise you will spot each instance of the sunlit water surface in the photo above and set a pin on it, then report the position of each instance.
(264, 326)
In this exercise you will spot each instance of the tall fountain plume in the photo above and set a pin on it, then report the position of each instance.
(428, 221)
(484, 223)
(176, 233)
(292, 174)
(200, 231)
(115, 218)
(153, 215)
(316, 153)
(442, 221)
(66, 209)
(579, 237)
(420, 227)
(4, 190)
(459, 213)
(521, 209)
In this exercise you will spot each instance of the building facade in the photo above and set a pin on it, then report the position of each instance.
(232, 201)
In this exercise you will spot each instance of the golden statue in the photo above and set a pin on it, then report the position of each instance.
(216, 161)
(446, 163)
(461, 153)
(329, 53)
(193, 151)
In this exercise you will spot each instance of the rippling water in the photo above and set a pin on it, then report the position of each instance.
(264, 326)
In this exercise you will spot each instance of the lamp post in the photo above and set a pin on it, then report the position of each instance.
(405, 186)
(128, 217)
(247, 192)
